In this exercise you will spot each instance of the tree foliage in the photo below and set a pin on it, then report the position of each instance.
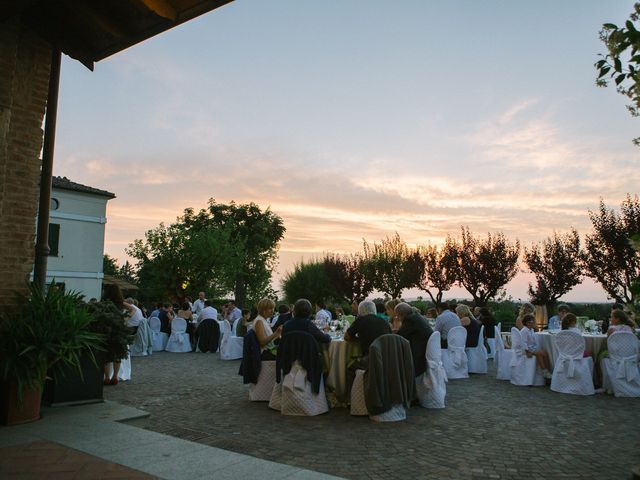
(557, 267)
(439, 269)
(392, 266)
(309, 280)
(220, 249)
(484, 266)
(609, 256)
(622, 64)
(110, 265)
(346, 276)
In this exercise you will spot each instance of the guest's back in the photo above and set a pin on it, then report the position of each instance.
(416, 329)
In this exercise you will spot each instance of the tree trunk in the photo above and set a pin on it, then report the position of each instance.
(240, 292)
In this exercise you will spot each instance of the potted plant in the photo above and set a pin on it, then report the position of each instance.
(49, 332)
(70, 385)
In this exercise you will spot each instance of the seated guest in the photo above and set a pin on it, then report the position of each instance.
(526, 308)
(381, 312)
(569, 322)
(284, 315)
(367, 327)
(156, 310)
(619, 322)
(208, 312)
(166, 315)
(301, 322)
(488, 321)
(431, 314)
(323, 316)
(470, 324)
(134, 314)
(262, 327)
(185, 312)
(445, 321)
(390, 306)
(530, 345)
(241, 329)
(415, 328)
(556, 322)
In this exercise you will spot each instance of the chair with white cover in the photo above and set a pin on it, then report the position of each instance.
(299, 388)
(573, 373)
(491, 342)
(179, 339)
(388, 384)
(431, 387)
(502, 358)
(159, 339)
(620, 371)
(230, 345)
(143, 341)
(454, 357)
(261, 390)
(524, 370)
(477, 356)
(124, 373)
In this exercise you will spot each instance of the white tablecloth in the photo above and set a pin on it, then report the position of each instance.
(593, 344)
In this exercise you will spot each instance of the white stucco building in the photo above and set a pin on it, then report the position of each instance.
(76, 236)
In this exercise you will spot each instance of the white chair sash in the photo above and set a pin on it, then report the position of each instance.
(295, 379)
(436, 375)
(627, 368)
(567, 363)
(458, 355)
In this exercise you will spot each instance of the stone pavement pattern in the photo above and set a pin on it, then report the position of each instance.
(489, 429)
(43, 460)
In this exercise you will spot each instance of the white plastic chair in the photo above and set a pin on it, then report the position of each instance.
(572, 372)
(230, 345)
(502, 358)
(477, 356)
(294, 395)
(620, 372)
(143, 341)
(179, 339)
(358, 405)
(454, 357)
(261, 391)
(431, 388)
(524, 370)
(234, 327)
(159, 339)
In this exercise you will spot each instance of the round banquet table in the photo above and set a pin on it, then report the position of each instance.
(593, 344)
(338, 356)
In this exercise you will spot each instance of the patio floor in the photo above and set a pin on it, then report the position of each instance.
(489, 429)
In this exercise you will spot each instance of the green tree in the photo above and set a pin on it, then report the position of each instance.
(220, 249)
(392, 266)
(485, 266)
(309, 280)
(609, 256)
(622, 64)
(557, 266)
(349, 282)
(110, 265)
(439, 269)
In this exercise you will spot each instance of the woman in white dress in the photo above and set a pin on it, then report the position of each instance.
(262, 327)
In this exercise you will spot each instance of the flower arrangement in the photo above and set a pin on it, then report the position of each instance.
(591, 326)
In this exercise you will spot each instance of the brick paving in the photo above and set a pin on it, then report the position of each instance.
(489, 429)
(42, 460)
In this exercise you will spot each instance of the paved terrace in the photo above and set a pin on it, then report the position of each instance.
(489, 429)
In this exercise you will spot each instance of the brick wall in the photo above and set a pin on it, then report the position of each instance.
(24, 76)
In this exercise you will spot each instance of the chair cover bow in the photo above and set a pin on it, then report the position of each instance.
(627, 368)
(568, 362)
(295, 379)
(437, 373)
(458, 355)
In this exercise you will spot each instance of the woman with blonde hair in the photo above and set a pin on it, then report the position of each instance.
(526, 309)
(470, 324)
(262, 327)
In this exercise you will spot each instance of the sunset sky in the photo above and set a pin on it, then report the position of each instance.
(355, 119)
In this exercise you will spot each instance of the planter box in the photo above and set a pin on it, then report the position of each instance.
(13, 414)
(70, 388)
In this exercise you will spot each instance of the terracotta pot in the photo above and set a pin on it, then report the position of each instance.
(12, 413)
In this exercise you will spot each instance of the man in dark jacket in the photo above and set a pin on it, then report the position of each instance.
(367, 327)
(415, 328)
(301, 322)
